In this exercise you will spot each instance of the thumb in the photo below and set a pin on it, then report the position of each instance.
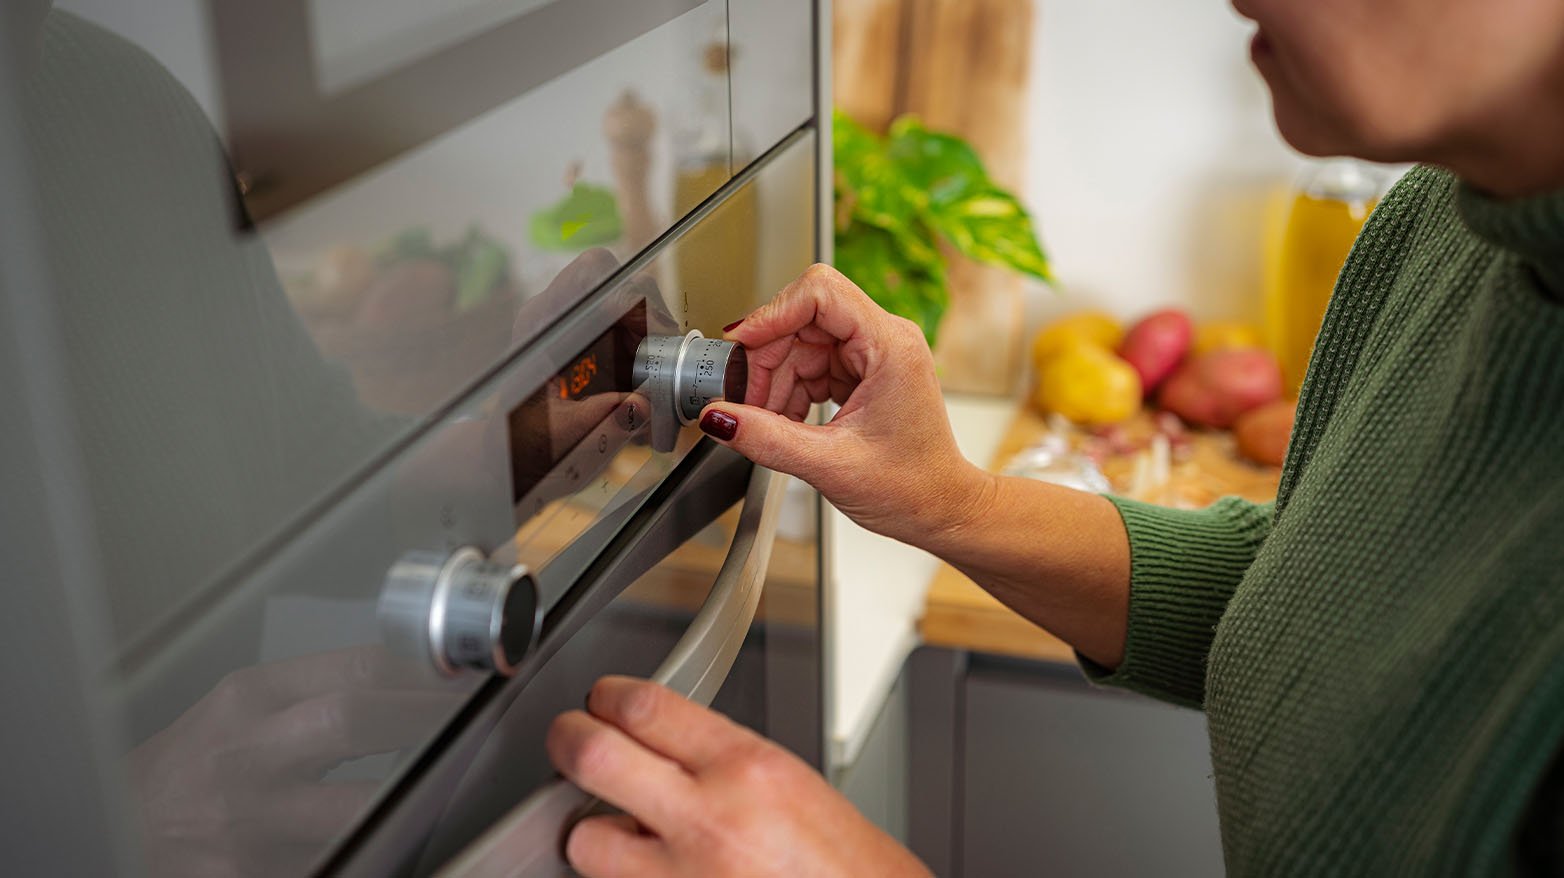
(770, 439)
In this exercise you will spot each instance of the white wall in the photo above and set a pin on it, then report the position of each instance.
(1152, 150)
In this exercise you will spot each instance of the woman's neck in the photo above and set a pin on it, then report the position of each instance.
(1512, 149)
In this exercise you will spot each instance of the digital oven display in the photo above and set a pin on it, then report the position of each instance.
(566, 408)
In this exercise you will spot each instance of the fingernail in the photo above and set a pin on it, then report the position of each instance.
(719, 425)
(729, 327)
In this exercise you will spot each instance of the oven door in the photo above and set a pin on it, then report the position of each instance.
(245, 428)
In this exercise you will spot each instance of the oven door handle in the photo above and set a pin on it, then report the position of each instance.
(529, 841)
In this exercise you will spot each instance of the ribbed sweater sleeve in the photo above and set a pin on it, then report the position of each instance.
(1184, 566)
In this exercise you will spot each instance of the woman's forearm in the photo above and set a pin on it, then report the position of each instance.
(1057, 556)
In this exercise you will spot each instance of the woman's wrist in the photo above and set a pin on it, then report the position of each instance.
(962, 506)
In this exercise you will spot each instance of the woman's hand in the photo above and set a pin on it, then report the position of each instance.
(888, 459)
(704, 796)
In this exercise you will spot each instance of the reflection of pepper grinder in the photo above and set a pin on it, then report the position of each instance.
(715, 262)
(628, 126)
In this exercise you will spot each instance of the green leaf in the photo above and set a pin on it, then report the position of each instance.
(871, 257)
(942, 168)
(876, 189)
(877, 192)
(991, 226)
(587, 217)
(897, 195)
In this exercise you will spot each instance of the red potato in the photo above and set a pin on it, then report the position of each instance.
(1264, 433)
(1214, 389)
(1186, 395)
(1156, 345)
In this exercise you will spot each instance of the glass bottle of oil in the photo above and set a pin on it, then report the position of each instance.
(715, 261)
(1306, 251)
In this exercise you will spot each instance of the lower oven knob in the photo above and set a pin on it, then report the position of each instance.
(460, 610)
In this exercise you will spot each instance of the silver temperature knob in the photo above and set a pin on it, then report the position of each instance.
(685, 374)
(460, 610)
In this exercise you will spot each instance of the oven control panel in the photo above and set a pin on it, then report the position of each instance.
(680, 376)
(628, 385)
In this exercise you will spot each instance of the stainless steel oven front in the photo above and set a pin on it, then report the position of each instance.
(353, 354)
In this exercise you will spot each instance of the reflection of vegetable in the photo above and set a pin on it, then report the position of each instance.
(413, 243)
(587, 217)
(897, 197)
(413, 293)
(479, 263)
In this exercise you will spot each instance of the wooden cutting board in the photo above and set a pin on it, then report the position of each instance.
(963, 66)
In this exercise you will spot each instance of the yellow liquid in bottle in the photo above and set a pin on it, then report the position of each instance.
(715, 261)
(1307, 253)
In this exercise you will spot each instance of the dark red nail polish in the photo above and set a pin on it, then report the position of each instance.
(719, 425)
(729, 327)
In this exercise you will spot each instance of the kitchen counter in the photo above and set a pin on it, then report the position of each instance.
(888, 598)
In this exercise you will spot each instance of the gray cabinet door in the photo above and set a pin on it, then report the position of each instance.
(1063, 780)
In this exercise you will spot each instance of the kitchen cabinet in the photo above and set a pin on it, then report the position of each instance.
(1022, 768)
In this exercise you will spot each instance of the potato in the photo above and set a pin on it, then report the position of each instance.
(1156, 345)
(1264, 433)
(1089, 327)
(1213, 390)
(1242, 379)
(1185, 394)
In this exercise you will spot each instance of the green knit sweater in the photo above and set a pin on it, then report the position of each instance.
(1380, 654)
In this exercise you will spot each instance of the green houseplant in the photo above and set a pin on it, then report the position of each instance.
(899, 196)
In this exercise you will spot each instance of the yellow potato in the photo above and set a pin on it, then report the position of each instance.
(1088, 384)
(1089, 327)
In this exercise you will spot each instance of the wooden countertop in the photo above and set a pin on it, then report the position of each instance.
(960, 615)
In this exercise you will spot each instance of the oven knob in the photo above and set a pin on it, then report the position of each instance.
(460, 610)
(683, 375)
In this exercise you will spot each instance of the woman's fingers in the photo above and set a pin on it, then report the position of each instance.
(820, 307)
(776, 441)
(605, 761)
(613, 845)
(667, 723)
(804, 365)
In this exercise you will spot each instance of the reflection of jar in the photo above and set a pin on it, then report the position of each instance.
(714, 262)
(1306, 252)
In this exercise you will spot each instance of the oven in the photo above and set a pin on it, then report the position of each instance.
(353, 351)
